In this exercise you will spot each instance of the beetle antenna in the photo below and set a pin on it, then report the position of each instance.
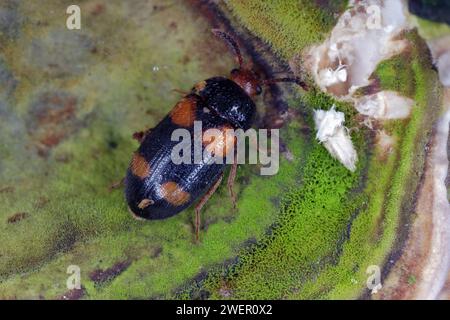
(231, 42)
(294, 80)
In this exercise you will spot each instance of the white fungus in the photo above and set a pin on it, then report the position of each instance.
(384, 105)
(329, 76)
(332, 133)
(364, 35)
(443, 65)
(440, 49)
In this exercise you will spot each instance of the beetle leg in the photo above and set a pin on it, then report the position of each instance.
(116, 185)
(202, 202)
(182, 92)
(140, 135)
(231, 179)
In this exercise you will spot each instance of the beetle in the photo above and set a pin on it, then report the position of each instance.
(156, 187)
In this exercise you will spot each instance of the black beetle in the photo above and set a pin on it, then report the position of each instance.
(156, 187)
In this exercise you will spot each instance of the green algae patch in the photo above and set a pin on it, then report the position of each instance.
(396, 74)
(280, 22)
(308, 232)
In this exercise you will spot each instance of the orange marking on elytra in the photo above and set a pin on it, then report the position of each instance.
(173, 194)
(221, 144)
(183, 114)
(145, 203)
(139, 166)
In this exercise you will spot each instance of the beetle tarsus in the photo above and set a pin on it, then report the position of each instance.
(116, 185)
(230, 182)
(139, 136)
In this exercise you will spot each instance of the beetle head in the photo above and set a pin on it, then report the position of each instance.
(247, 80)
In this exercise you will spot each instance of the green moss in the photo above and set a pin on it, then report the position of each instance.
(411, 280)
(396, 74)
(289, 26)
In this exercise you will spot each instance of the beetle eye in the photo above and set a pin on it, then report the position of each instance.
(234, 71)
(258, 89)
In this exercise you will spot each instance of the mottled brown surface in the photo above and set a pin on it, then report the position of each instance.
(74, 294)
(17, 217)
(100, 276)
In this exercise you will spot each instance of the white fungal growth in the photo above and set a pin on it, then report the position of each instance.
(443, 65)
(364, 35)
(384, 105)
(440, 49)
(332, 133)
(329, 76)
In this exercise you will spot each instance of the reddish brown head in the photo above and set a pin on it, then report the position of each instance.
(247, 80)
